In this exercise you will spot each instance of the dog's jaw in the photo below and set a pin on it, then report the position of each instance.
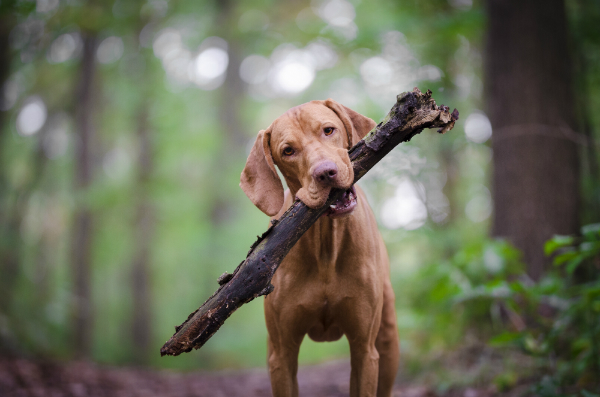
(344, 206)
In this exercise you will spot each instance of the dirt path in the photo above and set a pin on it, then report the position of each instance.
(21, 378)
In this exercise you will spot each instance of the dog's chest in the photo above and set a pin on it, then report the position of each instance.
(329, 265)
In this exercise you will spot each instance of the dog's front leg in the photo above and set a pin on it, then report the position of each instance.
(286, 331)
(364, 360)
(283, 367)
(361, 325)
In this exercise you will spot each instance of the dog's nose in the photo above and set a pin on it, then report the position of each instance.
(325, 172)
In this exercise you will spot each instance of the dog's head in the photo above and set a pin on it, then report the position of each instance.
(309, 144)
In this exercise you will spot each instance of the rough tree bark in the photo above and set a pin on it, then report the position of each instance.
(81, 249)
(413, 112)
(531, 107)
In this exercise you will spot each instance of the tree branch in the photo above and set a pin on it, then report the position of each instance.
(413, 112)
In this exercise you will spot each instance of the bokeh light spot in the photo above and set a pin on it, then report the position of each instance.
(32, 116)
(293, 77)
(478, 128)
(110, 50)
(376, 71)
(406, 209)
(254, 69)
(479, 208)
(64, 47)
(211, 63)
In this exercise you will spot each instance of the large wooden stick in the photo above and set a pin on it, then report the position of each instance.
(413, 112)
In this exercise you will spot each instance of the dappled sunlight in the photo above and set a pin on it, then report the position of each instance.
(479, 207)
(206, 69)
(64, 47)
(412, 190)
(289, 71)
(32, 116)
(291, 76)
(339, 15)
(478, 128)
(254, 69)
(394, 70)
(406, 208)
(209, 68)
(110, 50)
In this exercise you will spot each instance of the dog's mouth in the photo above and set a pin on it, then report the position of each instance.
(344, 205)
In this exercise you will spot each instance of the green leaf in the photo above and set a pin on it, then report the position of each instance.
(505, 338)
(516, 286)
(565, 257)
(557, 242)
(591, 231)
(573, 264)
(590, 247)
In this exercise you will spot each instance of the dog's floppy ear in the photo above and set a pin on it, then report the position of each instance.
(259, 178)
(357, 125)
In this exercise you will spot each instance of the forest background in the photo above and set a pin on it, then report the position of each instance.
(124, 126)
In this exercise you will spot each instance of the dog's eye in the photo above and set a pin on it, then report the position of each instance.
(328, 130)
(288, 151)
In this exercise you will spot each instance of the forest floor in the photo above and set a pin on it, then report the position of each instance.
(25, 377)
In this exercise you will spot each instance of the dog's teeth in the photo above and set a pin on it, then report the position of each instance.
(332, 206)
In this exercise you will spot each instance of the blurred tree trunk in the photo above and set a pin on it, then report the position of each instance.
(10, 212)
(586, 19)
(232, 143)
(144, 230)
(224, 163)
(230, 105)
(5, 56)
(83, 218)
(531, 107)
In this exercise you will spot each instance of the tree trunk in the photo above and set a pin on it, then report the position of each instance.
(531, 107)
(8, 266)
(11, 211)
(83, 218)
(229, 103)
(144, 230)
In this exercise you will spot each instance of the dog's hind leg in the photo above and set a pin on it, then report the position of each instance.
(387, 344)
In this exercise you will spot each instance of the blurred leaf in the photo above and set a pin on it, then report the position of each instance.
(569, 254)
(591, 231)
(574, 263)
(505, 338)
(557, 242)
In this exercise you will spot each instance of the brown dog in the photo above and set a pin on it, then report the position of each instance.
(335, 280)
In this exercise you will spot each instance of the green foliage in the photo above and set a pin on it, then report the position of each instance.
(483, 294)
(463, 292)
(556, 319)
